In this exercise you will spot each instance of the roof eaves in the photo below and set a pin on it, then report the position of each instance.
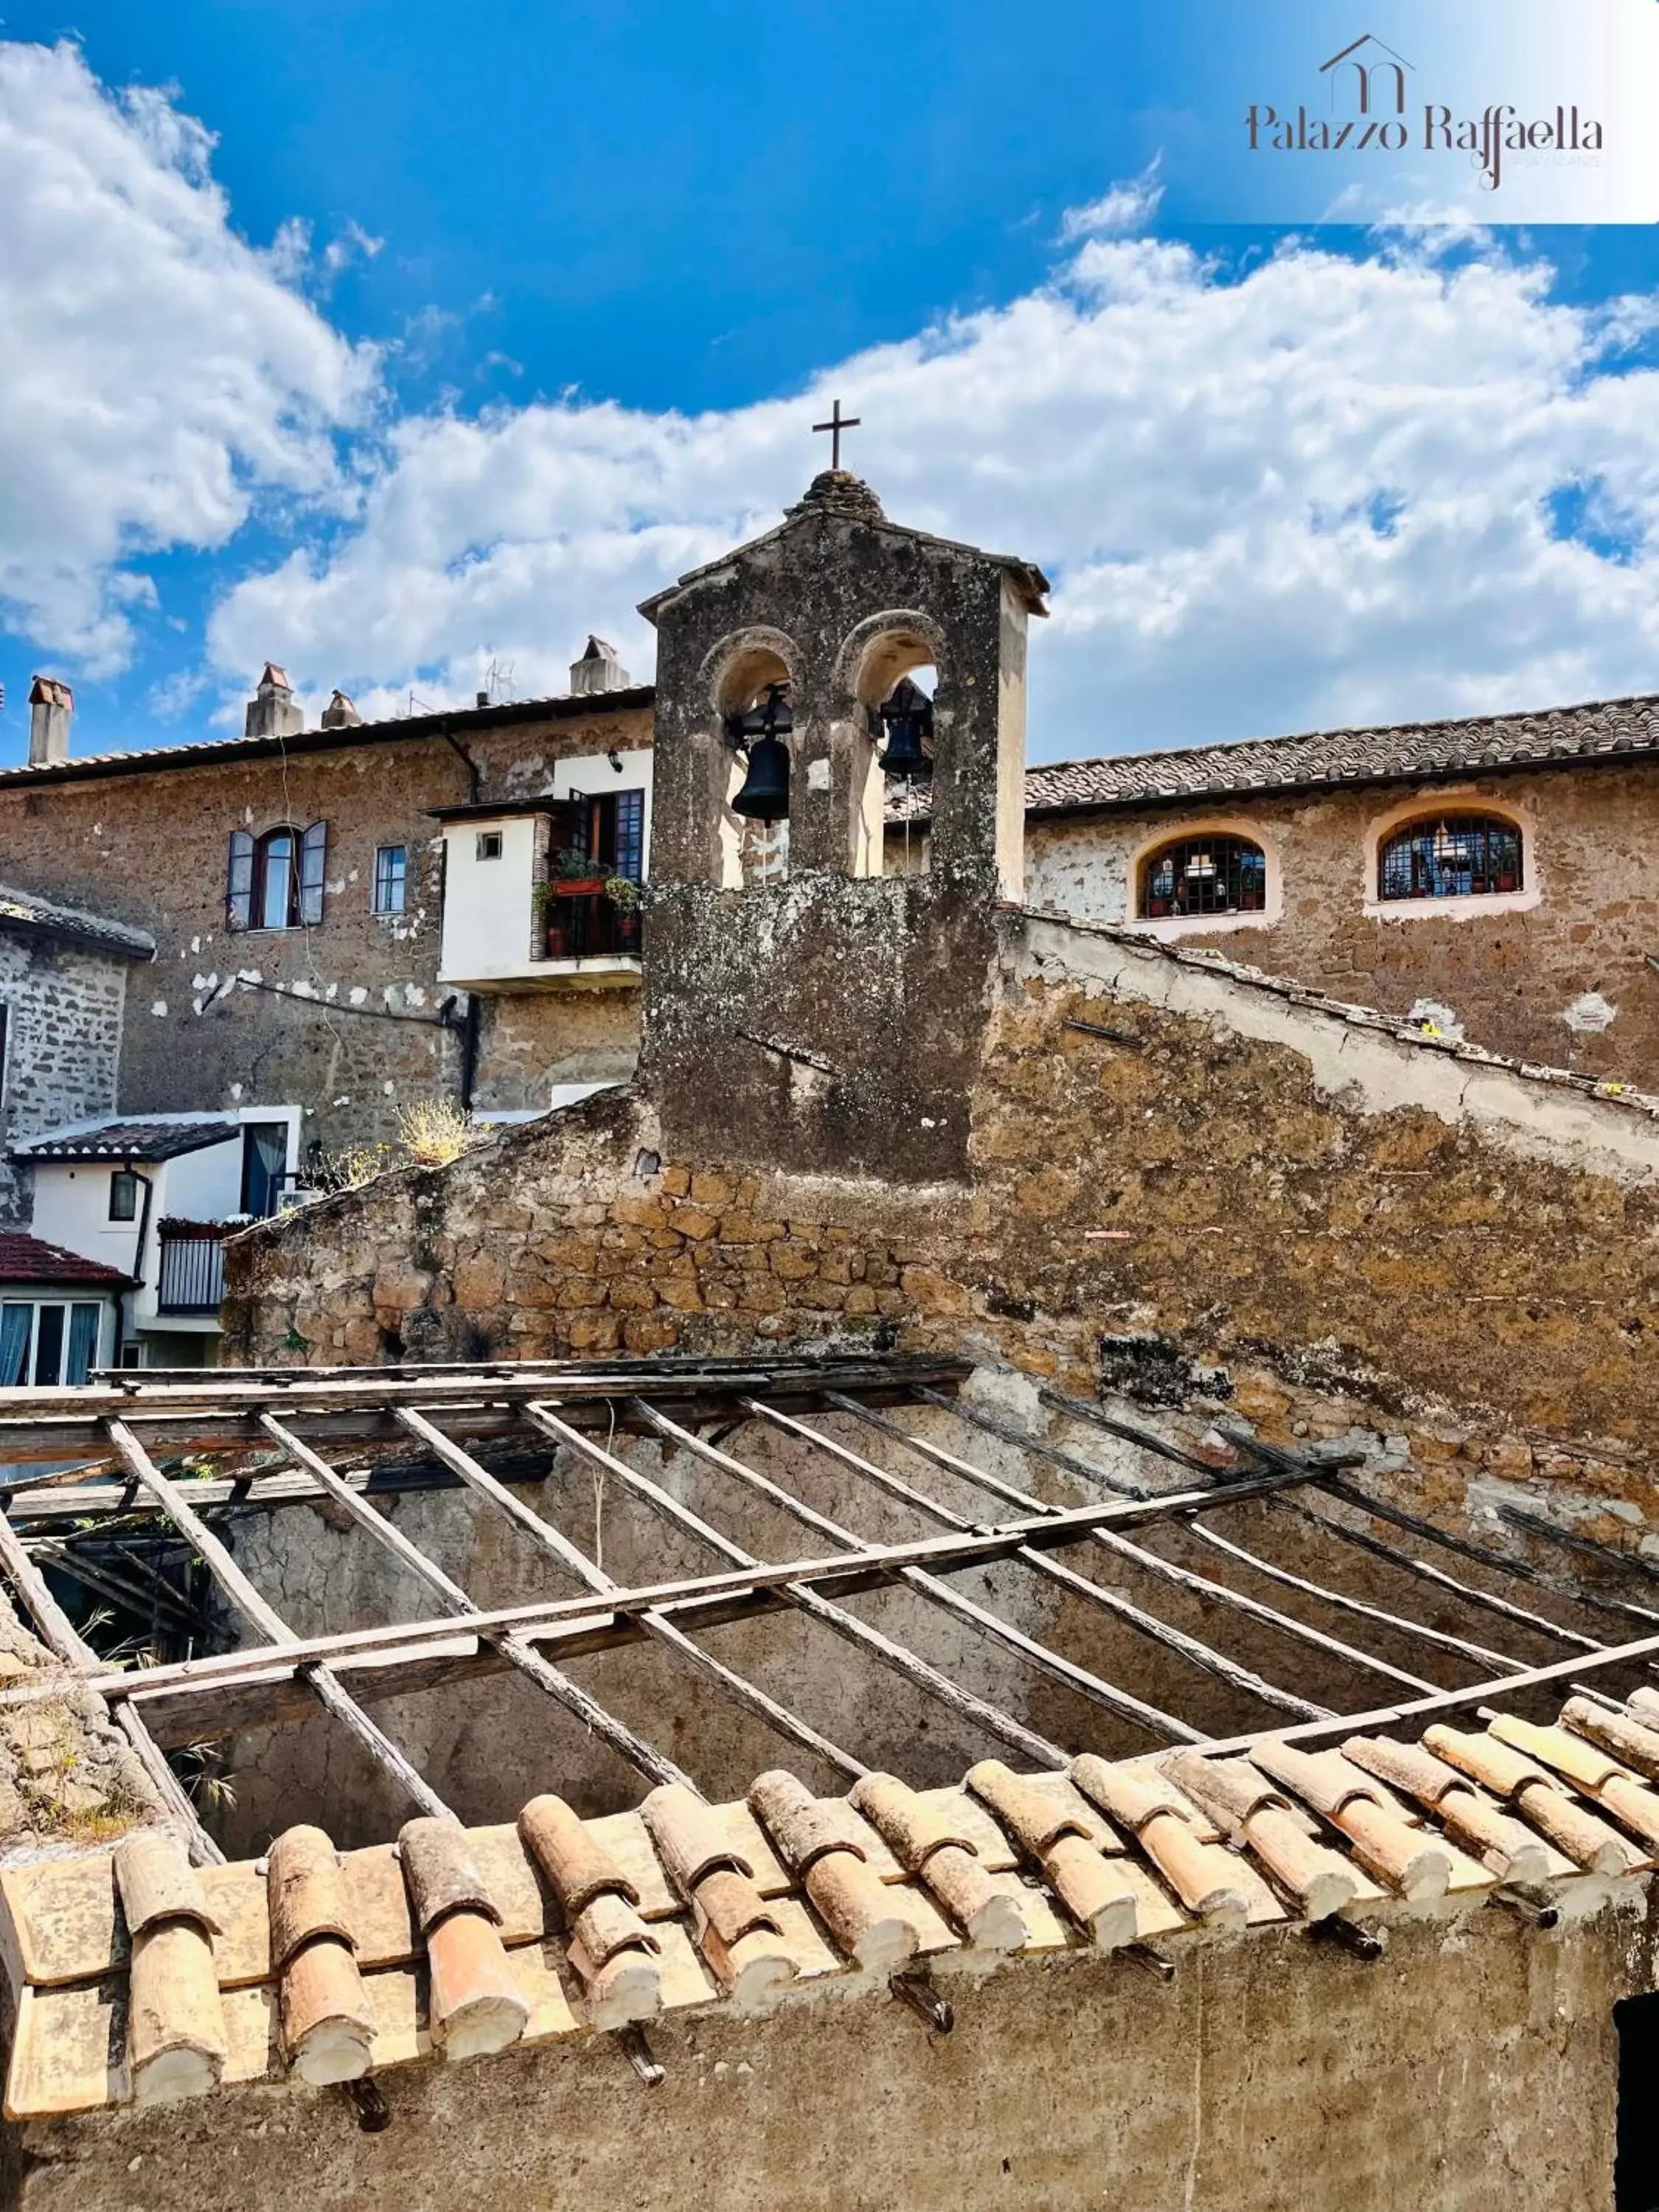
(213, 752)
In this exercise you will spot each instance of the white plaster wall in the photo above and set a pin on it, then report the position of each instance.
(488, 912)
(488, 921)
(71, 1209)
(1081, 868)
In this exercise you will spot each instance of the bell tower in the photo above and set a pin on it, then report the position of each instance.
(820, 1011)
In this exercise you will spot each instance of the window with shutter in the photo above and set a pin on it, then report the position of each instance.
(239, 896)
(276, 881)
(313, 852)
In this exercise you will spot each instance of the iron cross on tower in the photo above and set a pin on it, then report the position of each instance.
(835, 425)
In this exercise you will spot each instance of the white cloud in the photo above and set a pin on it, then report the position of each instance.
(1124, 208)
(157, 372)
(1314, 494)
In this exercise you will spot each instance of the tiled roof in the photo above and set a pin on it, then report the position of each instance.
(1556, 736)
(130, 1141)
(24, 910)
(210, 751)
(27, 1260)
(456, 1943)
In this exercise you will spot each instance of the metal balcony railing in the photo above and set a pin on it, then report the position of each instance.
(586, 925)
(191, 1276)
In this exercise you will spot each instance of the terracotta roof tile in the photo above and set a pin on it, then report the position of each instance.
(131, 1140)
(27, 1260)
(348, 1983)
(1554, 736)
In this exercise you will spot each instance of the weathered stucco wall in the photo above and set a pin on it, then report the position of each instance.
(1516, 974)
(1475, 2065)
(151, 849)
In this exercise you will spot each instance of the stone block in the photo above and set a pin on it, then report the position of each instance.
(693, 1221)
(714, 1191)
(676, 1182)
(931, 1293)
(639, 1213)
(791, 1262)
(651, 1333)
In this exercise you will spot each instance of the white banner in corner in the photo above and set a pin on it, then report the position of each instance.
(1450, 110)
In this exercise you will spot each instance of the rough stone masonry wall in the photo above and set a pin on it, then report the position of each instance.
(63, 1046)
(1263, 1184)
(1475, 2066)
(151, 849)
(1517, 981)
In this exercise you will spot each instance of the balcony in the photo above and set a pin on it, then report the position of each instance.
(191, 1278)
(584, 925)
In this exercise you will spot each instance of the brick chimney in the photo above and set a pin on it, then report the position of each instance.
(51, 705)
(341, 713)
(599, 670)
(272, 712)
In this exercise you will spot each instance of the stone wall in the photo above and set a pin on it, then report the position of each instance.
(310, 1026)
(1250, 1174)
(1185, 1188)
(1477, 2064)
(1519, 977)
(63, 1046)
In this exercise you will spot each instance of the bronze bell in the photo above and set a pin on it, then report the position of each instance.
(907, 718)
(765, 793)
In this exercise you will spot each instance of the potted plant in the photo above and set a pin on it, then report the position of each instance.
(623, 893)
(550, 922)
(574, 873)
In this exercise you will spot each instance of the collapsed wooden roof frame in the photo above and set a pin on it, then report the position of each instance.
(130, 1420)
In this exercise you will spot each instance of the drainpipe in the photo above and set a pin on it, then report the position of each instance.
(465, 759)
(130, 1330)
(466, 1027)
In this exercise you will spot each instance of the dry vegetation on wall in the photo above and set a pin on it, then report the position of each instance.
(1146, 1172)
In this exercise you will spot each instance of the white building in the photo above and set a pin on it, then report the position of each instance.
(148, 1198)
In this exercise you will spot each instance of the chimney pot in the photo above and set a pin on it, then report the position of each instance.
(51, 705)
(341, 713)
(599, 670)
(480, 698)
(272, 712)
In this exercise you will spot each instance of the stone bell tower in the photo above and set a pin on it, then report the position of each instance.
(830, 1019)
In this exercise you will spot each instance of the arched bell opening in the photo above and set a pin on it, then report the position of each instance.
(757, 722)
(896, 685)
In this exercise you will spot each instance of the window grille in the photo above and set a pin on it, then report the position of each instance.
(391, 876)
(1451, 856)
(1204, 875)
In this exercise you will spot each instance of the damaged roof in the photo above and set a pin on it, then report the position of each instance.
(457, 1943)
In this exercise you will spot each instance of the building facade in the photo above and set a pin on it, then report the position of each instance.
(1490, 878)
(64, 981)
(292, 883)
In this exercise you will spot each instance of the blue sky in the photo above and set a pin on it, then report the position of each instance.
(441, 334)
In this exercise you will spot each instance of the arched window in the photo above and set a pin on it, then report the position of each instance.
(1450, 856)
(276, 881)
(1204, 875)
